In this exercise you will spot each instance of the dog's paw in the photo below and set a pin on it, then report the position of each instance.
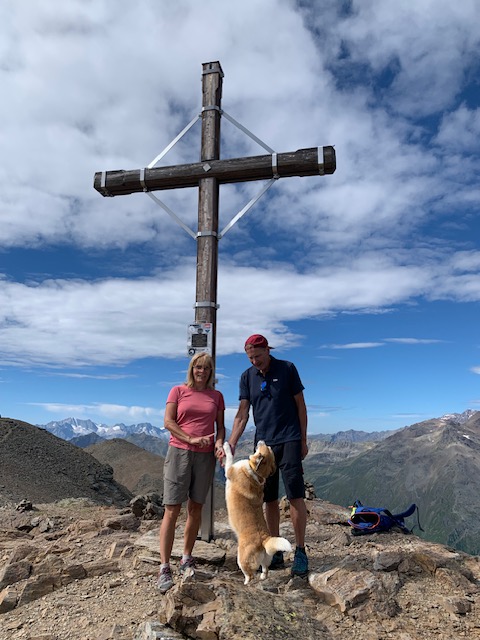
(227, 448)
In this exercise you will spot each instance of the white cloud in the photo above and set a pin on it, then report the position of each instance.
(354, 345)
(114, 321)
(422, 46)
(460, 130)
(413, 340)
(105, 411)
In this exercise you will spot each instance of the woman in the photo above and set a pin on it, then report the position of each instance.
(191, 413)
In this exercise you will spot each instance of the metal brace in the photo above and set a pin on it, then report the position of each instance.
(212, 107)
(276, 175)
(201, 234)
(174, 142)
(103, 183)
(206, 303)
(142, 180)
(206, 72)
(321, 167)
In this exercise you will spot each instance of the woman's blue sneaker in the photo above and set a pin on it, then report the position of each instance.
(300, 563)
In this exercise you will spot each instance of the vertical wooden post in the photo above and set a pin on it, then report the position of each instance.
(207, 240)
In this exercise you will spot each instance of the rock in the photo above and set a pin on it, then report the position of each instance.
(127, 522)
(24, 505)
(343, 589)
(387, 560)
(8, 599)
(14, 572)
(147, 506)
(459, 606)
(156, 631)
(36, 588)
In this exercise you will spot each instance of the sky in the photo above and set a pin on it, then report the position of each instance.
(367, 279)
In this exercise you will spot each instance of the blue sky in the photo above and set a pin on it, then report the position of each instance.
(368, 279)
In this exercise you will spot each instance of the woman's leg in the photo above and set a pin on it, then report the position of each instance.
(167, 531)
(194, 517)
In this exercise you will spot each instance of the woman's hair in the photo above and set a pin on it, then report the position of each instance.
(200, 359)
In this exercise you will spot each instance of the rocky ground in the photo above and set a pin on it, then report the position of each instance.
(75, 570)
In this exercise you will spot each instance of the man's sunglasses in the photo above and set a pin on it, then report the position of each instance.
(265, 389)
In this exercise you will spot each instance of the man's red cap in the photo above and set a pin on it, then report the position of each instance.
(257, 341)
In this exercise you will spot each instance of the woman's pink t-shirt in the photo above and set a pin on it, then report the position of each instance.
(196, 414)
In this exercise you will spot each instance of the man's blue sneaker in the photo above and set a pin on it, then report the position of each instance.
(300, 563)
(277, 561)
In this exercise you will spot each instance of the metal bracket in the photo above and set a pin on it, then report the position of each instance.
(321, 169)
(201, 234)
(142, 180)
(206, 303)
(275, 166)
(247, 132)
(206, 72)
(103, 184)
(171, 214)
(173, 142)
(248, 206)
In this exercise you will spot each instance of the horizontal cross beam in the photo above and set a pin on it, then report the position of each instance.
(304, 162)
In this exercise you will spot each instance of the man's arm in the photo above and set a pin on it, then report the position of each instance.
(239, 423)
(302, 417)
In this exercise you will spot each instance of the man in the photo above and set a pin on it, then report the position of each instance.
(274, 390)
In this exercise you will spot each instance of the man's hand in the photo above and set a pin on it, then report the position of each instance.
(304, 450)
(219, 452)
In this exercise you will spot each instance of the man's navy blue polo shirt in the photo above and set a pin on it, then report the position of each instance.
(272, 398)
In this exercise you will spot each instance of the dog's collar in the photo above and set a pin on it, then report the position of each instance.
(257, 476)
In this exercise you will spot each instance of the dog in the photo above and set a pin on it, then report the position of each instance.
(244, 498)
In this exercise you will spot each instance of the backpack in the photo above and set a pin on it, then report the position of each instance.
(375, 520)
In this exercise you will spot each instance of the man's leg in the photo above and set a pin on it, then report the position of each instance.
(298, 514)
(272, 516)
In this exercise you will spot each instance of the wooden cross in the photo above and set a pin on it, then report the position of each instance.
(208, 175)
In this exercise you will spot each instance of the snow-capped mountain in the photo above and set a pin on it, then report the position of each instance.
(459, 418)
(73, 427)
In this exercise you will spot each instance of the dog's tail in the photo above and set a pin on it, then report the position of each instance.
(272, 545)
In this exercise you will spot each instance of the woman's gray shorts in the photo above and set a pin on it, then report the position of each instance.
(187, 474)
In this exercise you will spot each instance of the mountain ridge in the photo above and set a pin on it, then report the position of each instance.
(435, 464)
(69, 428)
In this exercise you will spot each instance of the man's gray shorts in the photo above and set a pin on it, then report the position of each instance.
(187, 474)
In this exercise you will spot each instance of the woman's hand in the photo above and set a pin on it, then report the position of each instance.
(201, 441)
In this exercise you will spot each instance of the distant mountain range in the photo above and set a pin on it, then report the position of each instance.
(86, 432)
(70, 428)
(435, 464)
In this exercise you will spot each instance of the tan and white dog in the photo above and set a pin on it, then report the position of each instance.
(244, 497)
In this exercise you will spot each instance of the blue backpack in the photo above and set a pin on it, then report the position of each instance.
(375, 520)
